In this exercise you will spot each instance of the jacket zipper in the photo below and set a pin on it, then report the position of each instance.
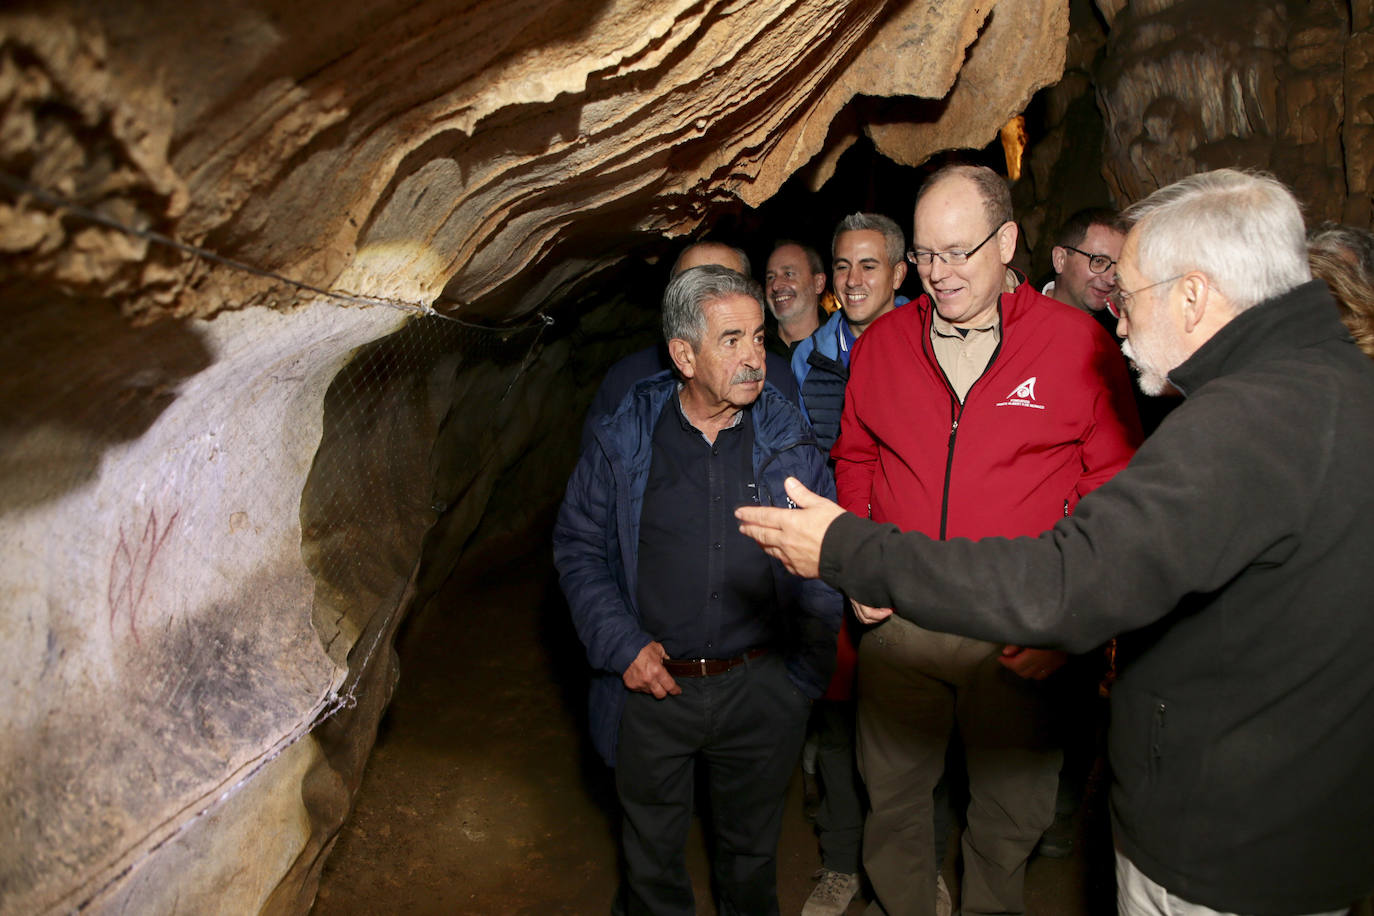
(957, 411)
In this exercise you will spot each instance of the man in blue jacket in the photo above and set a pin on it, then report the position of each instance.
(868, 265)
(704, 648)
(643, 363)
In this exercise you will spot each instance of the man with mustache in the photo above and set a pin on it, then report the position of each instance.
(644, 363)
(705, 650)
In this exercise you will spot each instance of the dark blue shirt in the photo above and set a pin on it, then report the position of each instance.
(705, 590)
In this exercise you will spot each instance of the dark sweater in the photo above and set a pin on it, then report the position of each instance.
(1234, 554)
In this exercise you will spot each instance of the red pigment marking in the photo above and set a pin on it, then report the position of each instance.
(130, 568)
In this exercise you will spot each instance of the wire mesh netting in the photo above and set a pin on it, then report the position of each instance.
(211, 529)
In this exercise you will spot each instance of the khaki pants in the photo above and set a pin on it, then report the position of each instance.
(1139, 895)
(915, 687)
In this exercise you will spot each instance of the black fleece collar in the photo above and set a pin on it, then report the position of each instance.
(1302, 317)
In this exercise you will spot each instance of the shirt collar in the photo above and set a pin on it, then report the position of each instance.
(687, 424)
(942, 327)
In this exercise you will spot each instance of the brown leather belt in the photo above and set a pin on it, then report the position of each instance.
(706, 667)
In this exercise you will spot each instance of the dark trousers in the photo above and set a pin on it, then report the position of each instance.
(840, 818)
(746, 727)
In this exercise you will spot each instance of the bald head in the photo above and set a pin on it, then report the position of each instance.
(701, 253)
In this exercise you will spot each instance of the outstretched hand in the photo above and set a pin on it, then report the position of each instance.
(792, 535)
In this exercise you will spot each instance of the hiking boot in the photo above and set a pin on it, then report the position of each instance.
(944, 906)
(832, 893)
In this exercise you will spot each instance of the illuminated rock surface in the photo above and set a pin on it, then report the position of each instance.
(219, 486)
(222, 492)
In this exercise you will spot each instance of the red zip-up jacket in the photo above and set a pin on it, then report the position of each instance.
(1050, 419)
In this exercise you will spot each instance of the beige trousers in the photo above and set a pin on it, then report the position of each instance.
(915, 688)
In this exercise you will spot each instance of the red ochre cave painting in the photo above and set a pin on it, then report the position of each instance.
(130, 566)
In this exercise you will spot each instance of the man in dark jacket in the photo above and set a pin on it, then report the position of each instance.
(704, 648)
(868, 267)
(643, 363)
(793, 281)
(1232, 554)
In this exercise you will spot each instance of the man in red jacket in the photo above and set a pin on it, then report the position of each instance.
(982, 409)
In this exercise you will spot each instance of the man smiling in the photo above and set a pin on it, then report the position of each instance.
(1084, 257)
(793, 282)
(981, 409)
(867, 269)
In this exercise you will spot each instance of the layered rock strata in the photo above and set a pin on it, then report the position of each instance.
(220, 483)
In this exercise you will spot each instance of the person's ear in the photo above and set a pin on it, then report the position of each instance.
(1197, 298)
(818, 283)
(898, 274)
(1006, 241)
(684, 357)
(1058, 255)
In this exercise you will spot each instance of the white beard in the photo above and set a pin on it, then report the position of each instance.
(1152, 362)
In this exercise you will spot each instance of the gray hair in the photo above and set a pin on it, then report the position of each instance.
(1244, 230)
(813, 258)
(992, 188)
(875, 222)
(1336, 240)
(685, 299)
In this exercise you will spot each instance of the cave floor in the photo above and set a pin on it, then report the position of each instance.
(483, 796)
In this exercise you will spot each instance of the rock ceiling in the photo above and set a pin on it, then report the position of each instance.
(219, 484)
(196, 624)
(407, 149)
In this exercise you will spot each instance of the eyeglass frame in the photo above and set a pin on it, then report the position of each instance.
(1111, 262)
(1115, 308)
(913, 256)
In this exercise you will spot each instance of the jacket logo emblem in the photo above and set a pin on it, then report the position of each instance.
(1023, 395)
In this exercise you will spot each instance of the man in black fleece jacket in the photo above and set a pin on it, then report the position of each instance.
(1232, 556)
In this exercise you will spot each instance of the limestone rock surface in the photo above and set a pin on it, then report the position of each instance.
(1189, 85)
(223, 490)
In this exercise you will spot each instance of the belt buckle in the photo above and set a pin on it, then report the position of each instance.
(703, 663)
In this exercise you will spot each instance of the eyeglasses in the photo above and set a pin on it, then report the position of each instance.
(1097, 263)
(926, 258)
(1120, 301)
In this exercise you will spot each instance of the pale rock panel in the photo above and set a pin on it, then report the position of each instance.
(219, 484)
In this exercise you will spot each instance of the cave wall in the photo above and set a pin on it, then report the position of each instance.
(225, 488)
(1155, 90)
(1188, 85)
(226, 483)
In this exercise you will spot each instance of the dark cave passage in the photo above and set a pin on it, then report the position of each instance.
(483, 795)
(305, 314)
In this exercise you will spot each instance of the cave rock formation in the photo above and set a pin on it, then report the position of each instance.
(220, 482)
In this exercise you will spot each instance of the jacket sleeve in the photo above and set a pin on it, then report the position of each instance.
(585, 552)
(1115, 432)
(855, 452)
(1205, 498)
